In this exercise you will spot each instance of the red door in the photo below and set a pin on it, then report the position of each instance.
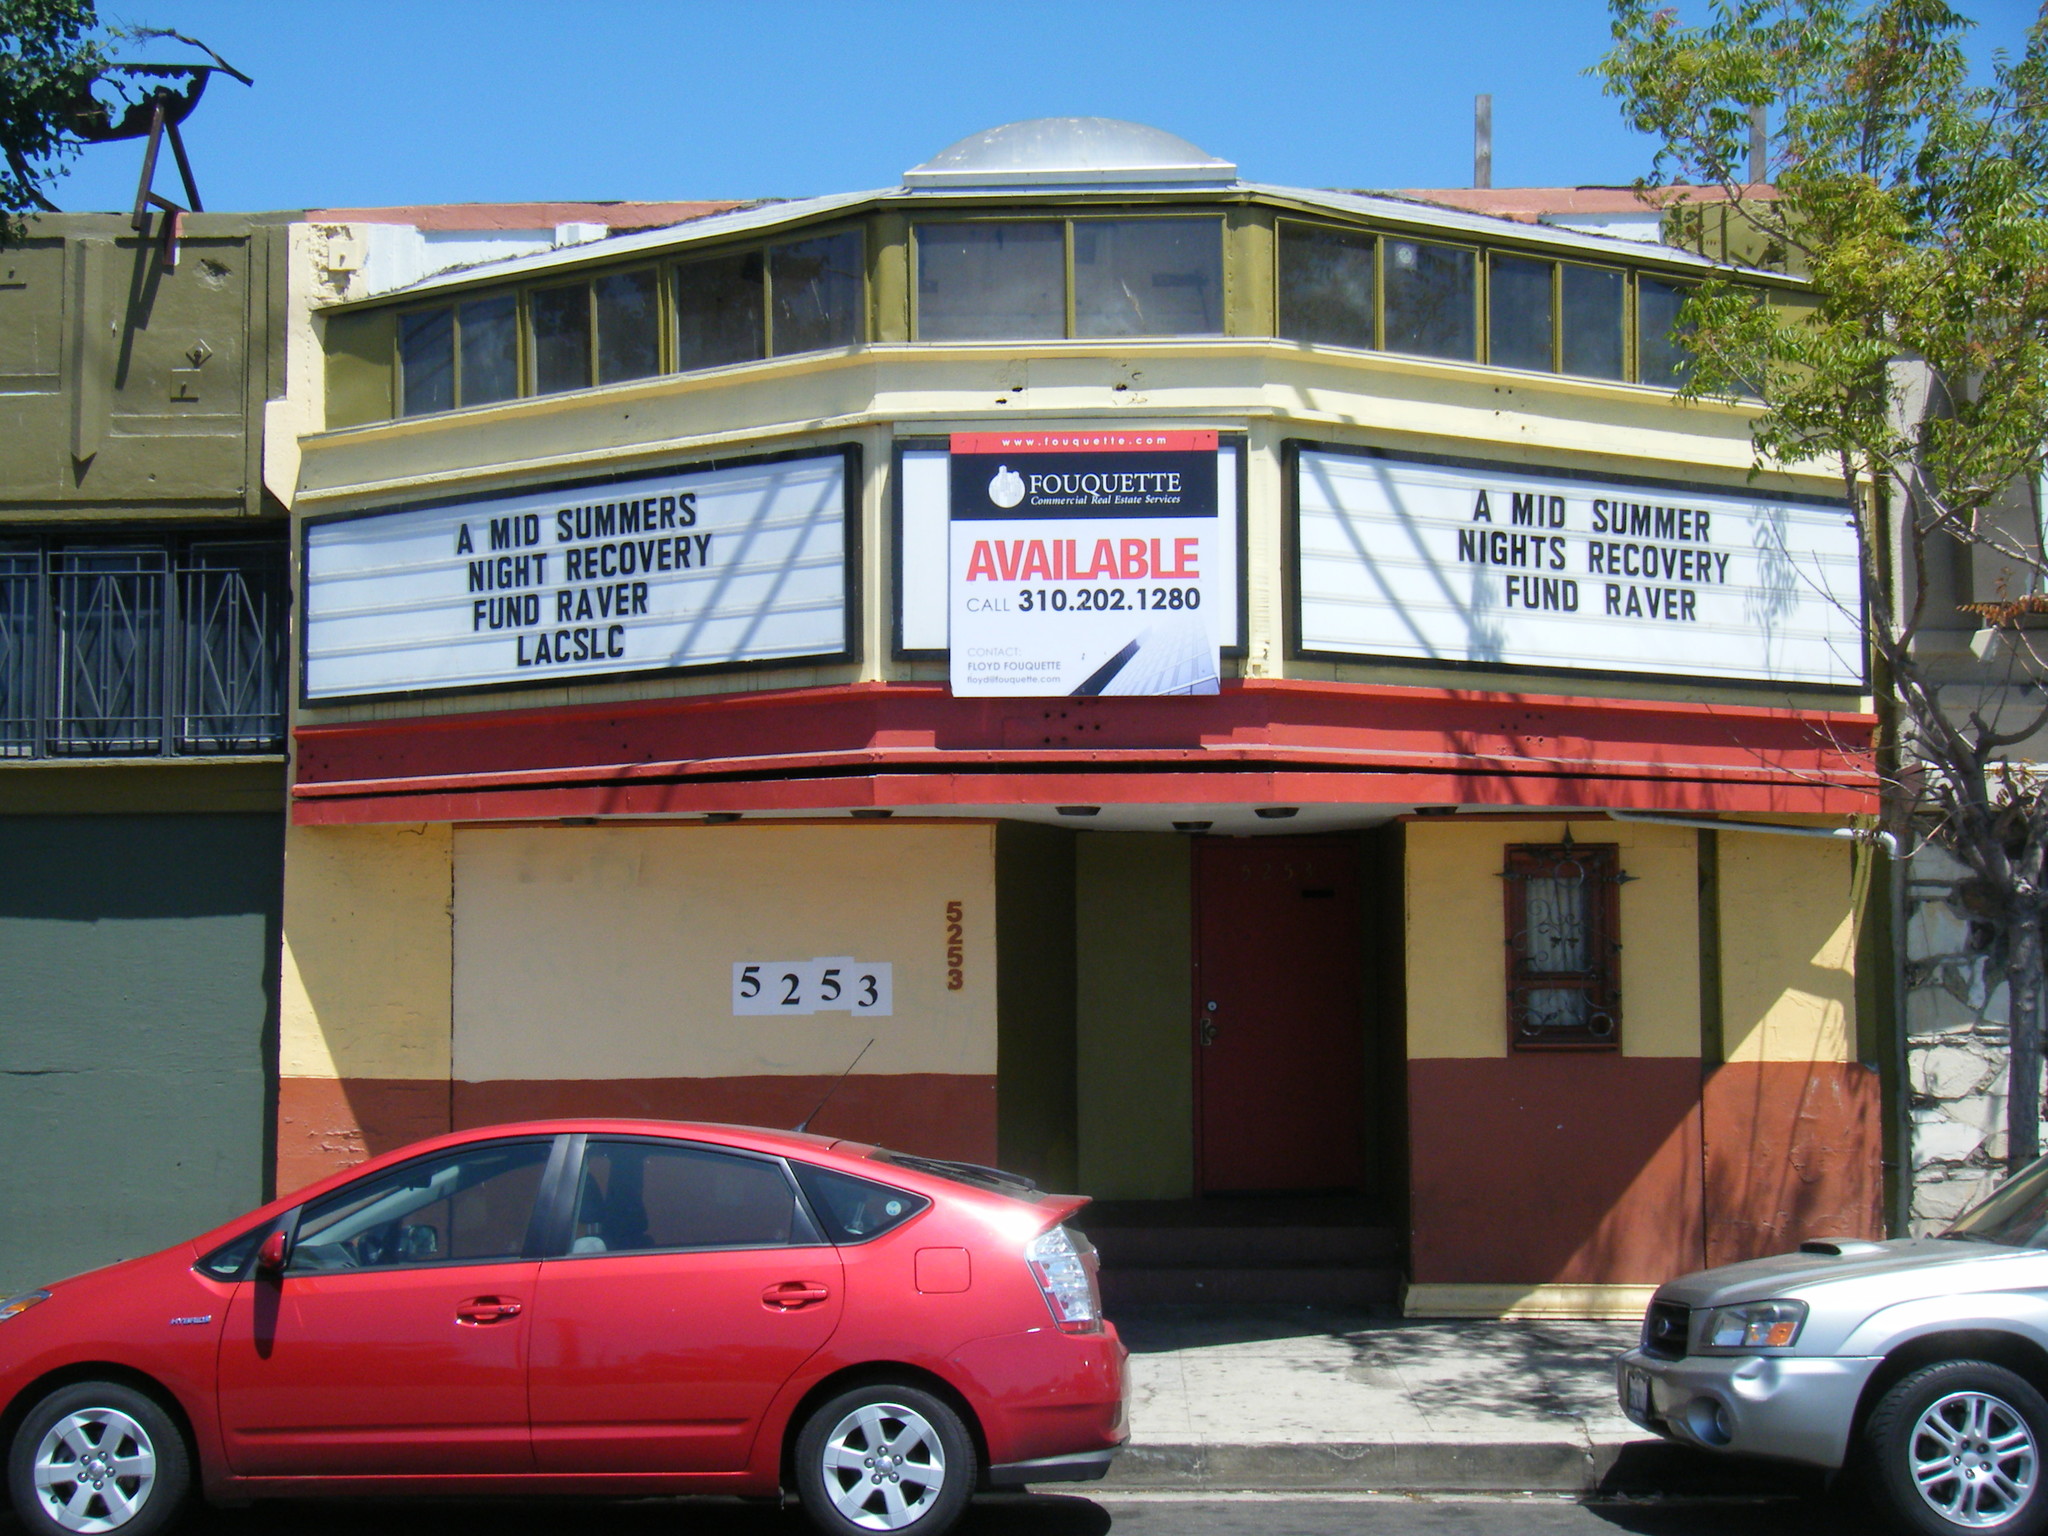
(1279, 1018)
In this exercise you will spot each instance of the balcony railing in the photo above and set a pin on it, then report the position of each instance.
(147, 648)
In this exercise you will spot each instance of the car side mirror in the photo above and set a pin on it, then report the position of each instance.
(271, 1257)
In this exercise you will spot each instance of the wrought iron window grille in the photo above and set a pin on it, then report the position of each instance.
(149, 647)
(1563, 911)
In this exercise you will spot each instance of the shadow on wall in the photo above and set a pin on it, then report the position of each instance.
(1792, 1152)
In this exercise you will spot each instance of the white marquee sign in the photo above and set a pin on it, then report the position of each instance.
(1495, 566)
(677, 568)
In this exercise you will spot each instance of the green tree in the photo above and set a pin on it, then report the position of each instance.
(50, 56)
(1914, 202)
(50, 52)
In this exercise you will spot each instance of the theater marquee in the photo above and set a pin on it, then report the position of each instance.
(1491, 565)
(692, 567)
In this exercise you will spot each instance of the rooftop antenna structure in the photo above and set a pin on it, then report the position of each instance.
(1482, 141)
(152, 100)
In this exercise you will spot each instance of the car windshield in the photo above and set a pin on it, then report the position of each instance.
(2016, 1215)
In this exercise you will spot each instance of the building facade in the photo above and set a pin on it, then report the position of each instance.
(1225, 697)
(143, 685)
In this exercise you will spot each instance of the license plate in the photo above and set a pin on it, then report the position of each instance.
(1636, 1393)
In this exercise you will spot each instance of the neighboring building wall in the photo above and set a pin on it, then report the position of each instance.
(135, 1083)
(142, 684)
(1957, 1036)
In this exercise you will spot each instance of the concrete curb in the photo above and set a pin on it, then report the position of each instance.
(1532, 1466)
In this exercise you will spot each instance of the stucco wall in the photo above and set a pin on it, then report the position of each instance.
(1704, 1138)
(1133, 926)
(439, 978)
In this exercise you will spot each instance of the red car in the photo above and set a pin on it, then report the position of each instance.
(602, 1306)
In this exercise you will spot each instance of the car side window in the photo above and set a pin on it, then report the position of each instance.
(645, 1196)
(469, 1206)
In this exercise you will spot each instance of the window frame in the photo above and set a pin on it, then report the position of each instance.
(1067, 221)
(1378, 237)
(532, 1244)
(1482, 266)
(175, 668)
(559, 1220)
(1633, 276)
(1602, 878)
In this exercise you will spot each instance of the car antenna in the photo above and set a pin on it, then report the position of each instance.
(842, 1077)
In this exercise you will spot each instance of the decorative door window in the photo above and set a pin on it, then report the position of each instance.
(1564, 945)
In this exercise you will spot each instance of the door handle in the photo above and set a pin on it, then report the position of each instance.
(487, 1309)
(1208, 1031)
(791, 1294)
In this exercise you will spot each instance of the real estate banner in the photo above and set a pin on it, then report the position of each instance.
(1085, 562)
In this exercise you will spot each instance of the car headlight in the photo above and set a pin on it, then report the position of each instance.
(14, 1306)
(1756, 1325)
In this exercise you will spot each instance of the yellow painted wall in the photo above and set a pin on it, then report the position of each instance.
(607, 952)
(1788, 974)
(1133, 934)
(366, 952)
(1457, 952)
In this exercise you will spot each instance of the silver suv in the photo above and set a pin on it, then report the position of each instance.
(1920, 1362)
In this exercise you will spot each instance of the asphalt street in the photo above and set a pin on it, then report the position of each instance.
(1069, 1515)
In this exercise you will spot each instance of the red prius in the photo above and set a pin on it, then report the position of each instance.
(601, 1306)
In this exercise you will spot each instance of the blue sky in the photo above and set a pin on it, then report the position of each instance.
(378, 102)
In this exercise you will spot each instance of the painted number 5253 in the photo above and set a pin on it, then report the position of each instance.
(826, 984)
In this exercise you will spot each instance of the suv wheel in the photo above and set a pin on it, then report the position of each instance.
(97, 1457)
(884, 1458)
(1958, 1447)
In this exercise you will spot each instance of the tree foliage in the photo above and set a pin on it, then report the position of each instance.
(1915, 201)
(50, 53)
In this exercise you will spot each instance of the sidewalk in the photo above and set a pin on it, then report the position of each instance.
(1272, 1397)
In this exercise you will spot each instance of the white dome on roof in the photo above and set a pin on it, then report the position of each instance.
(1070, 151)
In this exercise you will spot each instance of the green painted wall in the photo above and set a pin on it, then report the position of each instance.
(138, 1027)
(1035, 1066)
(1133, 932)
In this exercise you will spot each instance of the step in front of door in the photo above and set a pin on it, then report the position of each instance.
(1307, 1286)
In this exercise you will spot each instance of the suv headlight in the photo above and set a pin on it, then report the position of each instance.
(1756, 1325)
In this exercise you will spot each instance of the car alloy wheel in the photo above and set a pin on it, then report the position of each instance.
(1958, 1447)
(885, 1459)
(97, 1458)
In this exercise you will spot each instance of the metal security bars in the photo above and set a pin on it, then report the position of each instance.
(144, 648)
(1564, 945)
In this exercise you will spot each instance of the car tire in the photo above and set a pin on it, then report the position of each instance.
(96, 1458)
(1960, 1446)
(884, 1458)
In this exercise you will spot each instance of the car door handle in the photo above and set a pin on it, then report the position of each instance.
(487, 1309)
(791, 1294)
